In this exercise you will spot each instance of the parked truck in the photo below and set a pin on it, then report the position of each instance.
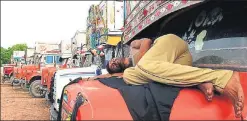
(48, 72)
(45, 55)
(216, 32)
(29, 75)
(65, 76)
(89, 49)
(8, 71)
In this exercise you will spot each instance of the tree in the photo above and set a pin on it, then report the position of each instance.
(18, 47)
(6, 53)
(4, 56)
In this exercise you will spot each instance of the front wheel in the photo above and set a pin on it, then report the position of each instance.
(35, 89)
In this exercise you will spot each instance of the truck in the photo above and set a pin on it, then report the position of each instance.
(8, 71)
(65, 76)
(17, 60)
(47, 78)
(30, 73)
(13, 81)
(216, 34)
(48, 72)
(45, 55)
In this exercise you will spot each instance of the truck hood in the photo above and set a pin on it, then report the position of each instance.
(107, 103)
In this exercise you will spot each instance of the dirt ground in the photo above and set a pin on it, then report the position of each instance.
(17, 104)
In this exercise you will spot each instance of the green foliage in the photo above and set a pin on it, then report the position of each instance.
(6, 53)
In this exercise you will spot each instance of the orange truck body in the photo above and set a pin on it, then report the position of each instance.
(189, 105)
(47, 74)
(18, 72)
(29, 72)
(8, 69)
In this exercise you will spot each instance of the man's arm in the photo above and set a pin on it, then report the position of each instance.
(145, 45)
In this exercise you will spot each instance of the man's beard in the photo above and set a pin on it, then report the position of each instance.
(124, 66)
(130, 63)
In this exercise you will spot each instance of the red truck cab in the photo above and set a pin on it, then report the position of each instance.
(8, 71)
(47, 75)
(17, 76)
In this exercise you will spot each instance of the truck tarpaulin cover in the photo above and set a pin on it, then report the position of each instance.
(145, 101)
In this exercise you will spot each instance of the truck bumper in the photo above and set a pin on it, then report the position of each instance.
(22, 81)
(16, 81)
(5, 76)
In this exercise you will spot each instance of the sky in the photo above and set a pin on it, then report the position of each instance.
(44, 21)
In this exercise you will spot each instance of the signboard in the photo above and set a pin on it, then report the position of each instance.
(119, 15)
(44, 47)
(115, 15)
(102, 16)
(18, 54)
(110, 15)
(78, 40)
(29, 52)
(65, 46)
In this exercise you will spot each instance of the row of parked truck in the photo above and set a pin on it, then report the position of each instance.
(41, 82)
(216, 32)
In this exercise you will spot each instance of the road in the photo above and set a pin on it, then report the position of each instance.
(17, 104)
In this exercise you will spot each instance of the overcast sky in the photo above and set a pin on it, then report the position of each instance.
(30, 21)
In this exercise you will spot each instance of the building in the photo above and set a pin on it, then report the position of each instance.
(105, 23)
(46, 53)
(78, 41)
(78, 47)
(29, 55)
(65, 49)
(18, 57)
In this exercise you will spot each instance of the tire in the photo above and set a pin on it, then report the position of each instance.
(34, 89)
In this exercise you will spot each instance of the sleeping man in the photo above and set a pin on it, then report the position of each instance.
(169, 61)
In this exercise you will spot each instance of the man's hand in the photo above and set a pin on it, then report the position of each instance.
(137, 43)
(145, 46)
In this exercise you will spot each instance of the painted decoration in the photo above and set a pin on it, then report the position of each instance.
(147, 12)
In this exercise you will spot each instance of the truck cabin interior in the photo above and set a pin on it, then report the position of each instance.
(216, 32)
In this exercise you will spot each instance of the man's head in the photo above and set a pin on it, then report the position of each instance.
(118, 65)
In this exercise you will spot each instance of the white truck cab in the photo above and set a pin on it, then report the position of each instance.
(63, 77)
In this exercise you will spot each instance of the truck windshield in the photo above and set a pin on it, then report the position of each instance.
(216, 33)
